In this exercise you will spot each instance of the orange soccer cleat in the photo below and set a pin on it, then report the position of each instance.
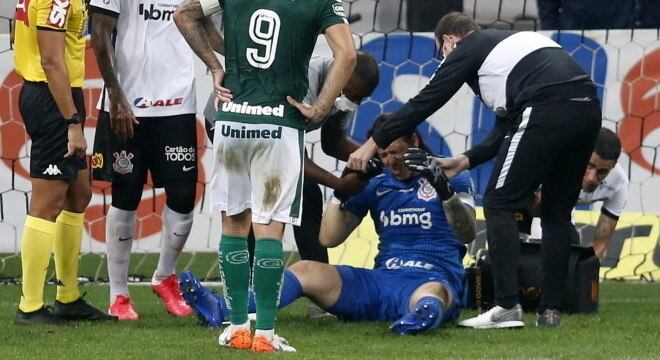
(123, 309)
(168, 290)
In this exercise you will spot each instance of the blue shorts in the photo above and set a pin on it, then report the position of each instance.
(383, 295)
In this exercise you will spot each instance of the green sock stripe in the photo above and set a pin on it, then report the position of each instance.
(234, 266)
(267, 273)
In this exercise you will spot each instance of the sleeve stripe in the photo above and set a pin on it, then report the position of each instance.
(100, 10)
(607, 213)
(210, 7)
(50, 29)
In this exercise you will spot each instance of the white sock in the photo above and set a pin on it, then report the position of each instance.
(176, 228)
(268, 334)
(120, 224)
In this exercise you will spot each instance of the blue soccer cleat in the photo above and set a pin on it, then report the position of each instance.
(427, 315)
(206, 304)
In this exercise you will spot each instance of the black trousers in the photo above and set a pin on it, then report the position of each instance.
(550, 148)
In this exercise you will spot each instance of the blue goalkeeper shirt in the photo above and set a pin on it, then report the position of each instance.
(411, 224)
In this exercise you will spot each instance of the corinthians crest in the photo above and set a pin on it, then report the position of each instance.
(123, 164)
(426, 191)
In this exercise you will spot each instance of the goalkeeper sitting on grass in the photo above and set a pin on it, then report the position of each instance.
(423, 222)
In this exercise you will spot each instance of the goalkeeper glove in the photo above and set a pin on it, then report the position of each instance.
(374, 168)
(423, 162)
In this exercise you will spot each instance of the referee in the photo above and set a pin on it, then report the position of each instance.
(548, 119)
(49, 56)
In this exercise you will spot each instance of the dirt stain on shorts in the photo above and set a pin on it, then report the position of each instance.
(273, 188)
(231, 159)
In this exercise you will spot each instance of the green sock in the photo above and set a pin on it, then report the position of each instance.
(235, 273)
(267, 272)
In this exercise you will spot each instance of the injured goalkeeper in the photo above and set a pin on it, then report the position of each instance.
(423, 222)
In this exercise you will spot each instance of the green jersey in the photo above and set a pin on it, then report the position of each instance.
(268, 44)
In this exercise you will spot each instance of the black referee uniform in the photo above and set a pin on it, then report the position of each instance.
(548, 117)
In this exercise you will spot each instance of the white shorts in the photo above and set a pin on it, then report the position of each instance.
(258, 167)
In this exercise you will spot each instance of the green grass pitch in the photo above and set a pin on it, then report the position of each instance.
(627, 326)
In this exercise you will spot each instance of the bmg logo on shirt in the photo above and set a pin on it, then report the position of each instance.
(404, 217)
(157, 14)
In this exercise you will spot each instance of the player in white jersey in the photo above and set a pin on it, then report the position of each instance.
(605, 181)
(146, 123)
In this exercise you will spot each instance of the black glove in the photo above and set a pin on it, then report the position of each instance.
(374, 168)
(423, 162)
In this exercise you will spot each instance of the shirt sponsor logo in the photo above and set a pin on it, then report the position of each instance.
(405, 217)
(123, 164)
(248, 109)
(58, 13)
(97, 161)
(52, 170)
(157, 14)
(180, 153)
(396, 263)
(144, 102)
(244, 133)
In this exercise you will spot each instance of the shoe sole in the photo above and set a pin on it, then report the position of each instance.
(514, 324)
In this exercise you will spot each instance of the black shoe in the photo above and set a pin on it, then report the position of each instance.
(548, 318)
(80, 310)
(41, 316)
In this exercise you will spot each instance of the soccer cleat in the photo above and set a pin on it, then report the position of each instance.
(496, 318)
(548, 318)
(426, 316)
(236, 336)
(277, 344)
(205, 303)
(168, 290)
(123, 309)
(41, 316)
(79, 310)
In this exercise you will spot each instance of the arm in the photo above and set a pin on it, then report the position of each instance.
(189, 18)
(604, 230)
(334, 140)
(121, 115)
(51, 47)
(336, 225)
(461, 218)
(345, 56)
(215, 38)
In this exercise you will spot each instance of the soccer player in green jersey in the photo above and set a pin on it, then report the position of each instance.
(259, 136)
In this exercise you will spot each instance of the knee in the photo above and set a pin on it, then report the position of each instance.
(81, 199)
(126, 196)
(181, 196)
(301, 267)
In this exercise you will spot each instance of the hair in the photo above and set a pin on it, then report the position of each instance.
(380, 121)
(455, 23)
(366, 68)
(608, 145)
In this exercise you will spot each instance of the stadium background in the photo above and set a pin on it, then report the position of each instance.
(625, 64)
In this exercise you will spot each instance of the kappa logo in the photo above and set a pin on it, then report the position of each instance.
(426, 191)
(52, 170)
(58, 12)
(123, 164)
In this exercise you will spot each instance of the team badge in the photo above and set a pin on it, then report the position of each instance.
(426, 191)
(97, 161)
(123, 164)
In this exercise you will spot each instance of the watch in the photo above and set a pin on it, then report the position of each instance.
(76, 118)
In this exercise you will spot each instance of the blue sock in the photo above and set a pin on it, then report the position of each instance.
(291, 290)
(433, 302)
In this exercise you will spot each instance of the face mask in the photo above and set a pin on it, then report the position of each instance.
(343, 104)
